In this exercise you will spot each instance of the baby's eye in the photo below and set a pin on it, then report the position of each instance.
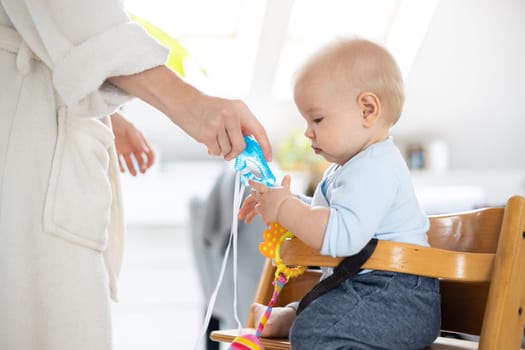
(317, 120)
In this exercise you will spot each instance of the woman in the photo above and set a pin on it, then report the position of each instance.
(64, 66)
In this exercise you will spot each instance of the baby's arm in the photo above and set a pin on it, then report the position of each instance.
(279, 323)
(277, 204)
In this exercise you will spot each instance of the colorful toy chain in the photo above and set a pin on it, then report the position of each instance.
(271, 245)
(271, 248)
(283, 273)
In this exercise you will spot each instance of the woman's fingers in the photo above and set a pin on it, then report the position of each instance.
(129, 164)
(223, 140)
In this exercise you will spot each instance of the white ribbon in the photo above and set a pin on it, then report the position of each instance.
(237, 198)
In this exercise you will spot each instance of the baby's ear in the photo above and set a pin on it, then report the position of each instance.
(370, 107)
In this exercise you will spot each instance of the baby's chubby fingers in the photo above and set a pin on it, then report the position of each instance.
(247, 210)
(258, 187)
(250, 216)
(248, 204)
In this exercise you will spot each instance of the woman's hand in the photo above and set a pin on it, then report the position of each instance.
(131, 143)
(221, 123)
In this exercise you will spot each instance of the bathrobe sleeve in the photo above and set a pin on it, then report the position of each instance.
(83, 43)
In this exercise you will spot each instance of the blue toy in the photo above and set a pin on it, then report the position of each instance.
(251, 164)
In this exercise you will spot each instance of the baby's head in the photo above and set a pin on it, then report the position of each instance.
(359, 65)
(350, 90)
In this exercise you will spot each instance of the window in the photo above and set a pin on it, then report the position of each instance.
(252, 47)
(313, 23)
(221, 35)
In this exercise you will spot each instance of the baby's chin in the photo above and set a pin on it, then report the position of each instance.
(330, 158)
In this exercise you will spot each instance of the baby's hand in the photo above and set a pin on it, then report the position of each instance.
(268, 200)
(279, 323)
(247, 210)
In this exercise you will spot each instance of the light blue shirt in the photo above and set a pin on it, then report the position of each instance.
(370, 196)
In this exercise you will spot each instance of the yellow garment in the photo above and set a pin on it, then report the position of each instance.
(178, 53)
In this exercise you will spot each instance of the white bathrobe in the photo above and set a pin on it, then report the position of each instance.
(61, 230)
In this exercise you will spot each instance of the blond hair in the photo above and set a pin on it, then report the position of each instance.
(362, 65)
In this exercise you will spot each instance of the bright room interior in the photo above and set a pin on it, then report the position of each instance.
(460, 129)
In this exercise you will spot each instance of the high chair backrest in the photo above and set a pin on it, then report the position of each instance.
(479, 257)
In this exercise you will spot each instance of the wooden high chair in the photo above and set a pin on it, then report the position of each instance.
(479, 257)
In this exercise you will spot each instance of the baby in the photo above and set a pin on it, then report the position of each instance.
(350, 94)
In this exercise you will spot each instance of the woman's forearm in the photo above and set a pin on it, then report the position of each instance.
(216, 122)
(161, 88)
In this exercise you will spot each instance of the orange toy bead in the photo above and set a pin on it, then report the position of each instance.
(271, 237)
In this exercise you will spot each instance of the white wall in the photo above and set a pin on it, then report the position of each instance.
(467, 84)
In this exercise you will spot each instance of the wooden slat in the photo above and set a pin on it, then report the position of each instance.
(228, 335)
(504, 315)
(405, 258)
(475, 231)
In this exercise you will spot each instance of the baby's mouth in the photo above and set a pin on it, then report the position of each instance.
(317, 150)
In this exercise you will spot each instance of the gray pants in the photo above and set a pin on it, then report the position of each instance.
(375, 310)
